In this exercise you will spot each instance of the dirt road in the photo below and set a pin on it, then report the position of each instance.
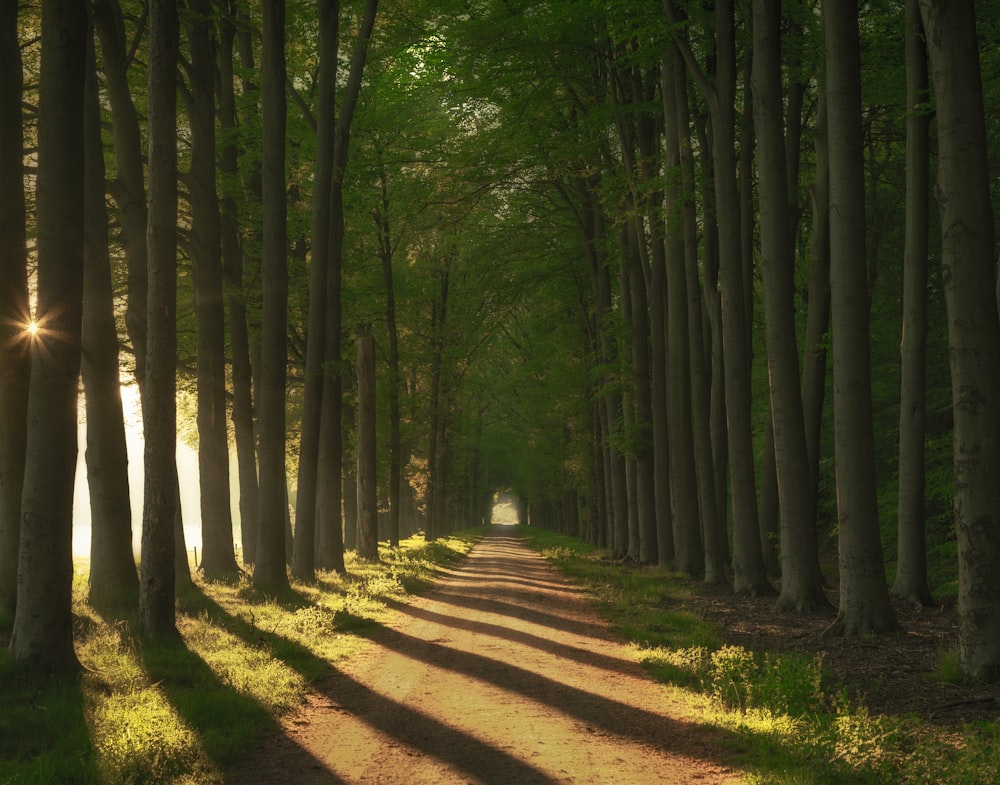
(502, 675)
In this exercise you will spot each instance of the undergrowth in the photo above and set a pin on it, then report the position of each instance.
(797, 728)
(182, 713)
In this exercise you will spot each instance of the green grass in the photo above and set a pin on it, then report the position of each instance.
(181, 713)
(794, 727)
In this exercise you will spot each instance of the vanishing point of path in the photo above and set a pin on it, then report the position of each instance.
(502, 674)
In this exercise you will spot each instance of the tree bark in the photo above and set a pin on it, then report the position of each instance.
(232, 270)
(129, 190)
(269, 572)
(43, 622)
(864, 597)
(801, 584)
(911, 561)
(218, 555)
(157, 579)
(304, 555)
(114, 582)
(968, 259)
(367, 489)
(689, 554)
(15, 347)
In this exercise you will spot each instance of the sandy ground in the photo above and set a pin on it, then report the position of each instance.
(501, 675)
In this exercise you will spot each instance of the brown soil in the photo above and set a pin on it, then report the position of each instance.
(502, 675)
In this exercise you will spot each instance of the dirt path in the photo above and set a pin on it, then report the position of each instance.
(502, 675)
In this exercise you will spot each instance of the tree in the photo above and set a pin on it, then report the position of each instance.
(749, 576)
(968, 259)
(157, 581)
(218, 555)
(911, 562)
(43, 621)
(269, 571)
(367, 490)
(114, 582)
(864, 597)
(801, 582)
(14, 310)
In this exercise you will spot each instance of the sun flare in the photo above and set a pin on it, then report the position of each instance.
(32, 328)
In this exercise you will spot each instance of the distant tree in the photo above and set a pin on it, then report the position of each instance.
(911, 562)
(14, 310)
(864, 597)
(43, 621)
(114, 582)
(968, 265)
(157, 580)
(269, 571)
(367, 493)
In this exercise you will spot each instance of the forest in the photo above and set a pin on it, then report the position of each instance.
(709, 286)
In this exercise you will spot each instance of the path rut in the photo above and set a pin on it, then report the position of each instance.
(503, 674)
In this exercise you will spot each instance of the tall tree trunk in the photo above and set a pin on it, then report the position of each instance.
(157, 579)
(749, 576)
(630, 425)
(218, 555)
(713, 528)
(386, 251)
(968, 259)
(689, 556)
(128, 187)
(350, 430)
(43, 622)
(329, 499)
(14, 309)
(114, 582)
(269, 571)
(864, 597)
(801, 584)
(818, 315)
(304, 556)
(232, 269)
(367, 489)
(911, 563)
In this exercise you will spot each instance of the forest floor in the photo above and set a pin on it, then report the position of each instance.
(899, 674)
(504, 674)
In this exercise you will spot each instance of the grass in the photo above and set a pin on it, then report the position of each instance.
(795, 727)
(183, 713)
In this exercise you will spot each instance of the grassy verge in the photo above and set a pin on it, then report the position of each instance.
(182, 713)
(796, 727)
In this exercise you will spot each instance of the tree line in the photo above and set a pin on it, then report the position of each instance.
(632, 262)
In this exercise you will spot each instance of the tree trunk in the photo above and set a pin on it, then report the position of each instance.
(304, 556)
(114, 583)
(218, 555)
(713, 528)
(350, 429)
(232, 269)
(43, 622)
(911, 564)
(749, 576)
(269, 571)
(968, 259)
(801, 584)
(14, 309)
(367, 489)
(386, 251)
(128, 188)
(157, 579)
(864, 597)
(689, 554)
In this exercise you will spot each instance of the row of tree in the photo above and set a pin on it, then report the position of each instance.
(566, 230)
